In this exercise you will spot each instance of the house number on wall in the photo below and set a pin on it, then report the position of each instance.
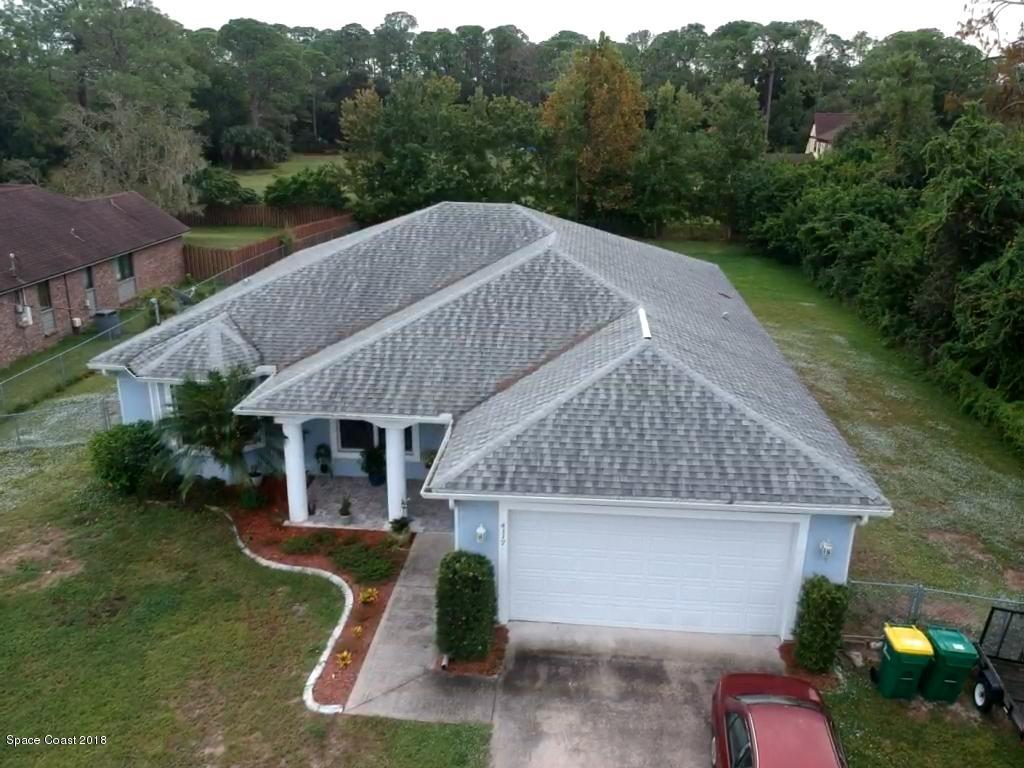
(503, 534)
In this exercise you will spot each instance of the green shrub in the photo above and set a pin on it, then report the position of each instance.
(245, 146)
(466, 605)
(819, 623)
(299, 545)
(366, 564)
(206, 491)
(251, 498)
(220, 187)
(320, 185)
(123, 455)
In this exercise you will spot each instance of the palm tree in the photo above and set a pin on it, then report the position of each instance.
(204, 426)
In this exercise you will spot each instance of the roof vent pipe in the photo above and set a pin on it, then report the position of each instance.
(14, 264)
(645, 328)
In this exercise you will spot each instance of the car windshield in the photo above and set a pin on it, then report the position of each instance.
(789, 701)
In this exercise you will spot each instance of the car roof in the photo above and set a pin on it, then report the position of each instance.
(792, 736)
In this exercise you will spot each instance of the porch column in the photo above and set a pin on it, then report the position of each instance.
(396, 471)
(295, 470)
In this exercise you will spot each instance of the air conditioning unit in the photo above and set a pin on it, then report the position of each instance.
(24, 315)
(76, 323)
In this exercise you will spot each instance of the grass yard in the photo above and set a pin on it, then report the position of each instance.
(144, 624)
(22, 387)
(228, 237)
(957, 489)
(259, 180)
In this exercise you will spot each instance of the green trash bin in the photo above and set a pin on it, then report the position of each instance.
(950, 667)
(905, 655)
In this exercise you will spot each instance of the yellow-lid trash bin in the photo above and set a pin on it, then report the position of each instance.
(906, 653)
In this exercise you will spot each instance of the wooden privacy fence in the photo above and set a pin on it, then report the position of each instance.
(258, 216)
(230, 265)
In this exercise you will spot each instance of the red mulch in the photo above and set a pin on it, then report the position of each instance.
(489, 667)
(823, 682)
(263, 531)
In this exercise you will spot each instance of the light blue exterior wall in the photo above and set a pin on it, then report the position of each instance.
(469, 515)
(839, 531)
(134, 398)
(318, 431)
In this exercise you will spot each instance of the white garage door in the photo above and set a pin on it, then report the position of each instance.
(654, 572)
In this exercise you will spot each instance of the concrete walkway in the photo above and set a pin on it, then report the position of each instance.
(397, 679)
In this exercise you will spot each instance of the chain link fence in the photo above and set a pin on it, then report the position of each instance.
(873, 603)
(67, 421)
(35, 384)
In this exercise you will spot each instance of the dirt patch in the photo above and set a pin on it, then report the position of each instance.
(823, 682)
(263, 531)
(1014, 579)
(961, 543)
(489, 667)
(47, 554)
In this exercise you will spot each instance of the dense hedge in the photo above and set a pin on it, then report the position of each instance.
(125, 457)
(819, 624)
(220, 187)
(924, 234)
(321, 185)
(467, 605)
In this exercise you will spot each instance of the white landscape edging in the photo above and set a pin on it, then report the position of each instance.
(307, 691)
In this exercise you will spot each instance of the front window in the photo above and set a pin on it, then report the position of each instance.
(43, 291)
(355, 435)
(125, 267)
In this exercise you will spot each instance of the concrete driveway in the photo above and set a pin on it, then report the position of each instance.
(570, 696)
(596, 697)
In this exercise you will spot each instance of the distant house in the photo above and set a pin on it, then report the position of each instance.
(62, 259)
(827, 126)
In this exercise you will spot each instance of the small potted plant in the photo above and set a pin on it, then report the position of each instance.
(345, 510)
(428, 458)
(323, 458)
(374, 464)
(255, 475)
(401, 532)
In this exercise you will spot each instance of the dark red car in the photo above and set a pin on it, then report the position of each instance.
(769, 721)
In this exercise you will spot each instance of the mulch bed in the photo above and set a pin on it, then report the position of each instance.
(263, 531)
(489, 667)
(823, 682)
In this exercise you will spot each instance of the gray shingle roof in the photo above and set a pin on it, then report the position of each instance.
(524, 327)
(649, 430)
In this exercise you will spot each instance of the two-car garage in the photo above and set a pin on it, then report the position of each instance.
(653, 569)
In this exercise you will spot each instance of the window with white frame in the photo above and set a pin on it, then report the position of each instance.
(350, 438)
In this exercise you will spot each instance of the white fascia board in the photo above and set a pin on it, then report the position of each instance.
(440, 418)
(707, 506)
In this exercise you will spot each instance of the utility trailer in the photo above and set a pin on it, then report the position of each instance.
(1000, 678)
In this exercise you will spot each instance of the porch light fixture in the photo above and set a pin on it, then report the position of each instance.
(825, 548)
(481, 534)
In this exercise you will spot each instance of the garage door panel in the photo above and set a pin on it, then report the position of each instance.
(656, 572)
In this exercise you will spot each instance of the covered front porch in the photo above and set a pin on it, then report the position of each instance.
(369, 505)
(323, 462)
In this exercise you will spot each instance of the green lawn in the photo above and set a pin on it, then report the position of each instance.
(143, 623)
(228, 237)
(22, 383)
(956, 488)
(258, 180)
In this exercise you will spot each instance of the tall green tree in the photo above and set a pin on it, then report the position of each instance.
(595, 119)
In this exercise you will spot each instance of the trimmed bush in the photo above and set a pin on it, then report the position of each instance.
(218, 186)
(124, 456)
(819, 623)
(467, 605)
(245, 146)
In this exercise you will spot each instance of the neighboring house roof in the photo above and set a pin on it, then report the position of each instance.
(828, 125)
(50, 234)
(525, 330)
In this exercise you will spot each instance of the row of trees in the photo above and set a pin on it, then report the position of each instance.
(252, 90)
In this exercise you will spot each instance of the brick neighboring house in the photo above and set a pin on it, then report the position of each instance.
(61, 259)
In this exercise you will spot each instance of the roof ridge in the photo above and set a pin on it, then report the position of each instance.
(768, 423)
(399, 319)
(554, 404)
(174, 343)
